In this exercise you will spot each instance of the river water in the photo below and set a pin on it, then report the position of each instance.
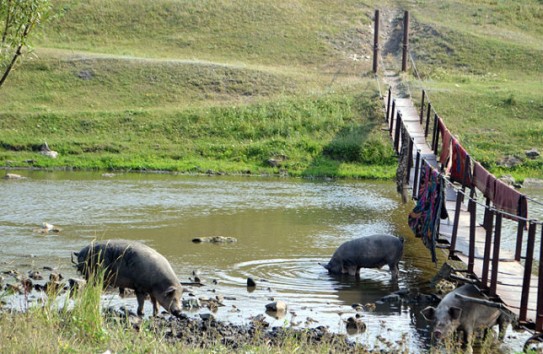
(283, 227)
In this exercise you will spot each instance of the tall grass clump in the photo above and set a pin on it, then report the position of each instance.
(57, 324)
(85, 318)
(74, 324)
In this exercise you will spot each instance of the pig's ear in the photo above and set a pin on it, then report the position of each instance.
(429, 313)
(455, 312)
(326, 266)
(76, 254)
(170, 290)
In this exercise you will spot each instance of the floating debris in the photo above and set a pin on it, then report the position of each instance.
(214, 239)
(46, 228)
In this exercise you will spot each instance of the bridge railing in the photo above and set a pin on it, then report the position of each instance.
(493, 218)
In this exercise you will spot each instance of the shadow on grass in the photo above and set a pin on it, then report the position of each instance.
(360, 149)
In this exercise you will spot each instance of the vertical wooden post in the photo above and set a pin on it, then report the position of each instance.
(422, 106)
(472, 207)
(539, 313)
(427, 120)
(376, 42)
(459, 200)
(527, 272)
(520, 232)
(388, 103)
(397, 131)
(435, 137)
(496, 254)
(392, 117)
(488, 242)
(415, 180)
(487, 211)
(410, 161)
(452, 248)
(405, 40)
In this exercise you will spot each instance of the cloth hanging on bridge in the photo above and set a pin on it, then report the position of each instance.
(424, 219)
(461, 165)
(446, 139)
(402, 172)
(510, 200)
(484, 180)
(454, 159)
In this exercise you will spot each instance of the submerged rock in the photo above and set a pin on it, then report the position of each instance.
(355, 325)
(46, 228)
(251, 283)
(76, 284)
(191, 303)
(277, 309)
(277, 306)
(13, 176)
(214, 239)
(35, 275)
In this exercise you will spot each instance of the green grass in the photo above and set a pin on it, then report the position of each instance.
(234, 139)
(194, 86)
(482, 71)
(260, 32)
(198, 86)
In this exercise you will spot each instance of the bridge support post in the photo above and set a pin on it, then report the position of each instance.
(435, 136)
(539, 313)
(405, 40)
(527, 272)
(489, 223)
(422, 106)
(472, 222)
(416, 178)
(459, 199)
(376, 42)
(398, 128)
(427, 120)
(388, 103)
(392, 117)
(410, 154)
(496, 254)
(520, 231)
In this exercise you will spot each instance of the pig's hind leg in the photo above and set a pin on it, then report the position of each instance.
(394, 271)
(352, 270)
(155, 305)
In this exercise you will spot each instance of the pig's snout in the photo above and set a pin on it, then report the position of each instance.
(176, 312)
(438, 334)
(175, 308)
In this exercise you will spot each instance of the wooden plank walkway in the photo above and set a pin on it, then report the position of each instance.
(510, 272)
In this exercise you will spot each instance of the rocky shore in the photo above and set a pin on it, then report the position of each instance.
(197, 327)
(207, 332)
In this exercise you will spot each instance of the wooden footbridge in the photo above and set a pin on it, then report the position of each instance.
(461, 208)
(477, 206)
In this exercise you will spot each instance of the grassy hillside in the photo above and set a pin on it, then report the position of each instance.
(197, 86)
(193, 86)
(482, 64)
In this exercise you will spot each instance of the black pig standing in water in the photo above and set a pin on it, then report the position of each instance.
(367, 252)
(133, 265)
